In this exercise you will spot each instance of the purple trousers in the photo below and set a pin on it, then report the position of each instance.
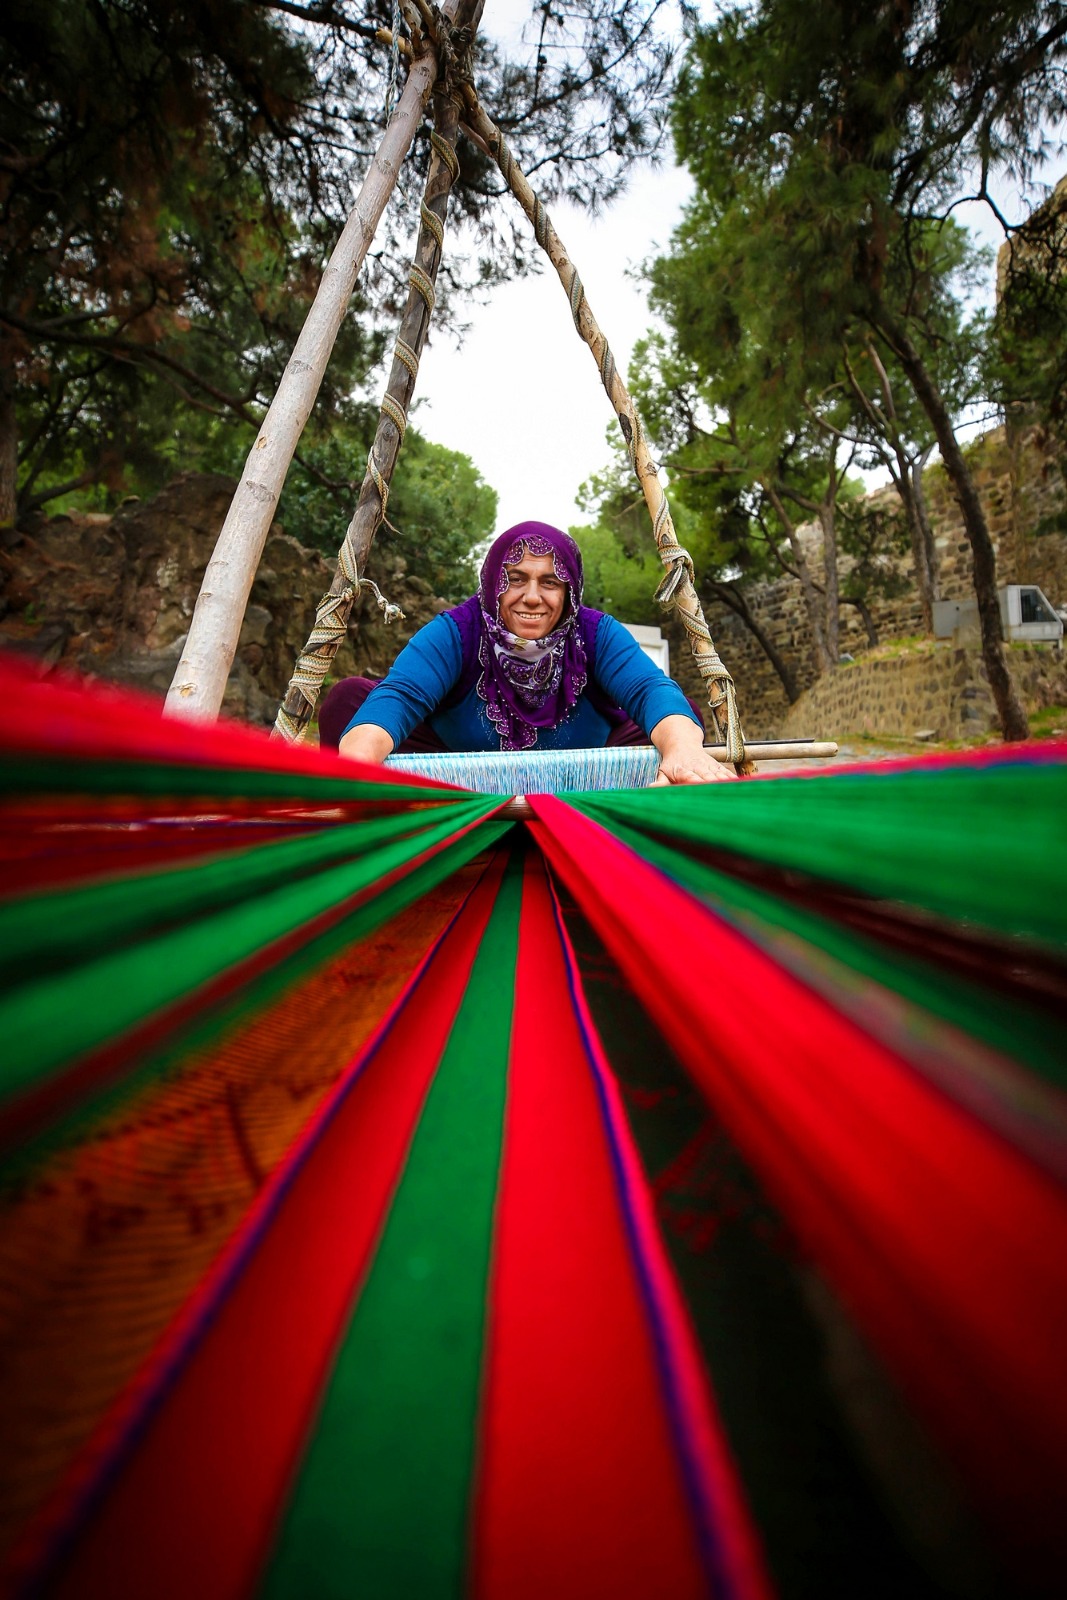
(346, 697)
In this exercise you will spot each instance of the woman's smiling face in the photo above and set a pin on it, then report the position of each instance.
(532, 604)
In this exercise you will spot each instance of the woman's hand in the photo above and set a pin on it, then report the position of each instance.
(682, 757)
(368, 742)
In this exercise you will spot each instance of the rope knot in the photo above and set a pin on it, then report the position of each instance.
(679, 564)
(390, 612)
(455, 52)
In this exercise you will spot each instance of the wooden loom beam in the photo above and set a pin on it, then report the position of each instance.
(677, 586)
(200, 680)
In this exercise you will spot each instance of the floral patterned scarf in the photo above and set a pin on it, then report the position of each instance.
(530, 683)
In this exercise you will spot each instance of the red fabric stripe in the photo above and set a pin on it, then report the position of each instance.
(952, 1250)
(63, 717)
(1036, 752)
(34, 863)
(739, 1553)
(580, 1491)
(193, 1511)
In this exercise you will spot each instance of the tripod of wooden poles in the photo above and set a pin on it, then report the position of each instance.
(439, 57)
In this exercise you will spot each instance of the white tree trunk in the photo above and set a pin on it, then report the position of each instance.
(200, 681)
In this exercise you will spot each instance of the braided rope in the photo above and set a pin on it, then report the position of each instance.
(327, 635)
(433, 224)
(391, 408)
(446, 152)
(404, 353)
(381, 484)
(577, 297)
(506, 162)
(422, 283)
(607, 369)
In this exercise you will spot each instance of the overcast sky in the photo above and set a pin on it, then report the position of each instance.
(521, 395)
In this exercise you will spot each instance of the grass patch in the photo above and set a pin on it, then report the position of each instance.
(1051, 723)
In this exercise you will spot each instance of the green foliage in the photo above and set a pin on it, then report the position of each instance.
(616, 580)
(622, 568)
(440, 508)
(874, 536)
(173, 174)
(817, 292)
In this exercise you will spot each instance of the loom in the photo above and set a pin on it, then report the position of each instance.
(561, 771)
(402, 1201)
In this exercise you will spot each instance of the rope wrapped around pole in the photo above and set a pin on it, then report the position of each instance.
(335, 608)
(677, 588)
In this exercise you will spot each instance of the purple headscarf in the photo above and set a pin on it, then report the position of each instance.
(530, 683)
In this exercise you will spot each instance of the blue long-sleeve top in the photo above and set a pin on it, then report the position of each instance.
(429, 667)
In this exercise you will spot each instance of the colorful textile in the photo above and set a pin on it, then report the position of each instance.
(625, 767)
(666, 1197)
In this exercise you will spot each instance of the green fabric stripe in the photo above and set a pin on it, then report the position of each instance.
(209, 1024)
(53, 928)
(1020, 1032)
(987, 844)
(48, 1023)
(23, 775)
(381, 1506)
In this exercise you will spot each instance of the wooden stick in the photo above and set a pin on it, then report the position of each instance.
(780, 750)
(335, 607)
(200, 681)
(678, 583)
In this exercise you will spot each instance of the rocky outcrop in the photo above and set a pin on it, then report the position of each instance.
(112, 597)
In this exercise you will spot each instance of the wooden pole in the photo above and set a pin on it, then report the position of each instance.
(335, 607)
(200, 681)
(677, 587)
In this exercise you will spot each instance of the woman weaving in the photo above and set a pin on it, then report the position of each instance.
(522, 665)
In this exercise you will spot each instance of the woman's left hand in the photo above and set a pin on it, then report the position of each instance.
(682, 757)
(691, 769)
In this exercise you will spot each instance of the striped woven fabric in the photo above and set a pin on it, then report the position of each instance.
(536, 772)
(663, 1197)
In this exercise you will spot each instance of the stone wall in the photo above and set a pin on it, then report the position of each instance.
(1023, 492)
(112, 597)
(930, 691)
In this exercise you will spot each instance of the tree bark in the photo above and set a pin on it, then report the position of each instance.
(735, 601)
(868, 620)
(920, 561)
(9, 438)
(908, 481)
(926, 531)
(824, 662)
(831, 598)
(200, 681)
(1013, 721)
